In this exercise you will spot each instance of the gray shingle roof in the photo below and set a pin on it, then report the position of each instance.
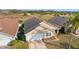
(58, 20)
(31, 24)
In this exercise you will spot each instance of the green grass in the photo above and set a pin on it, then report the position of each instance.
(17, 44)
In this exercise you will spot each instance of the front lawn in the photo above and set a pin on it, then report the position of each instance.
(17, 44)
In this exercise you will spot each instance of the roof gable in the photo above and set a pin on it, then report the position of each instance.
(8, 26)
(30, 24)
(58, 20)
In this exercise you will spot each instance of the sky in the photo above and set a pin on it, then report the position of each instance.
(39, 4)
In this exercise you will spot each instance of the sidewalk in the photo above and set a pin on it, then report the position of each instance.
(37, 45)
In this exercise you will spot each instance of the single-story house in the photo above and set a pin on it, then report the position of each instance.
(60, 21)
(29, 26)
(36, 29)
(8, 29)
(77, 31)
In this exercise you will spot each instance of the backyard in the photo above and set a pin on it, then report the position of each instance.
(65, 41)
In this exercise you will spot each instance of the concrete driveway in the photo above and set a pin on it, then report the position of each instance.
(4, 39)
(37, 45)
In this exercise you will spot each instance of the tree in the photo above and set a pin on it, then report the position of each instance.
(20, 34)
(75, 22)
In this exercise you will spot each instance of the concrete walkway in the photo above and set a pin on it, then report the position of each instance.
(37, 45)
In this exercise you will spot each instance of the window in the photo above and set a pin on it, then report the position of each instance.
(48, 34)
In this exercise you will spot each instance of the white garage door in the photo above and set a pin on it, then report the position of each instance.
(32, 37)
(4, 40)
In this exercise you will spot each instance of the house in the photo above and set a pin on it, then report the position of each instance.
(8, 29)
(30, 24)
(77, 31)
(60, 21)
(36, 29)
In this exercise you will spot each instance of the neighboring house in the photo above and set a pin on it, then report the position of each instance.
(77, 31)
(60, 21)
(8, 29)
(36, 29)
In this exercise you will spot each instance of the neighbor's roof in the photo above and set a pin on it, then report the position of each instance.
(8, 26)
(58, 20)
(31, 24)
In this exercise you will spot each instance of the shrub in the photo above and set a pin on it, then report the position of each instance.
(18, 44)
